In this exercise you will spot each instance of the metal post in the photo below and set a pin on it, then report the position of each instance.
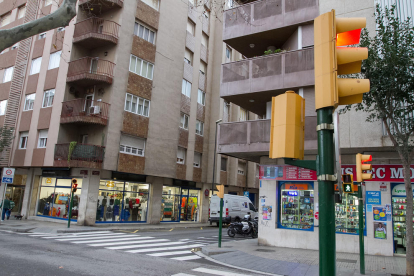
(2, 201)
(220, 221)
(327, 246)
(361, 230)
(214, 158)
(70, 208)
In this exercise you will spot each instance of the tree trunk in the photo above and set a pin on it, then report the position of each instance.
(409, 220)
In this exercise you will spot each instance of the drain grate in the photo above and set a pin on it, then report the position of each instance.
(346, 261)
(265, 250)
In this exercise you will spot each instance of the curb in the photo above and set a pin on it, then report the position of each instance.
(16, 230)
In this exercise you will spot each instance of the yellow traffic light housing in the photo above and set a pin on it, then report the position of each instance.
(287, 127)
(332, 60)
(220, 189)
(360, 167)
(347, 183)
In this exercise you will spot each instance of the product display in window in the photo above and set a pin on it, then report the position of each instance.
(399, 212)
(346, 215)
(297, 207)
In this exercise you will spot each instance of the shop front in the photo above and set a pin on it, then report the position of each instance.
(180, 204)
(15, 192)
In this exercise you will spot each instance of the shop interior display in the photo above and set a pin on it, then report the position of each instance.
(114, 206)
(346, 215)
(399, 212)
(297, 209)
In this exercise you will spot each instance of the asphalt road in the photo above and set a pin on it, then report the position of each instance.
(36, 255)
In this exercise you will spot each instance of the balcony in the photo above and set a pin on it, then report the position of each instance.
(259, 79)
(100, 6)
(266, 23)
(95, 32)
(249, 140)
(89, 71)
(85, 111)
(83, 156)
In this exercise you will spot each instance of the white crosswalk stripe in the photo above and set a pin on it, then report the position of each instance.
(164, 248)
(207, 271)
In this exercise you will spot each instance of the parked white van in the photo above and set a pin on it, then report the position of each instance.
(234, 208)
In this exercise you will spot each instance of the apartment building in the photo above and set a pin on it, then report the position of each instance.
(276, 37)
(125, 100)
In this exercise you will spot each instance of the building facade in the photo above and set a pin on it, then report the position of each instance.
(125, 100)
(276, 37)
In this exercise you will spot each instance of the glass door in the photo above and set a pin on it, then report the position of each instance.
(184, 205)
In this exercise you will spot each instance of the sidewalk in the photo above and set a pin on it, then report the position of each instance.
(298, 262)
(53, 226)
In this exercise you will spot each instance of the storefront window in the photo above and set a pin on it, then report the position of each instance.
(54, 199)
(296, 205)
(170, 205)
(120, 201)
(399, 212)
(346, 214)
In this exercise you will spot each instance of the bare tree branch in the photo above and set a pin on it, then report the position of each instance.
(60, 18)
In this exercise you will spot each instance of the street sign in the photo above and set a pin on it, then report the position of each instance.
(246, 193)
(8, 175)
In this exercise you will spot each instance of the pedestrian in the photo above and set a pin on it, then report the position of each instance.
(6, 208)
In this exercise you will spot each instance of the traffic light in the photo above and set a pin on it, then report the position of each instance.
(74, 185)
(287, 127)
(347, 183)
(220, 189)
(360, 166)
(331, 60)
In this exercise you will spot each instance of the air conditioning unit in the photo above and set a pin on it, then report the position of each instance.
(94, 109)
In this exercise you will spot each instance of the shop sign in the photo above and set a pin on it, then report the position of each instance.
(373, 197)
(95, 172)
(399, 190)
(110, 184)
(383, 187)
(246, 193)
(383, 173)
(85, 172)
(292, 186)
(48, 180)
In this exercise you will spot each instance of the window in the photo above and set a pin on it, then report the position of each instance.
(60, 29)
(3, 106)
(42, 138)
(243, 115)
(197, 159)
(144, 32)
(137, 105)
(48, 98)
(240, 169)
(190, 27)
(199, 128)
(35, 69)
(8, 74)
(15, 46)
(132, 145)
(228, 54)
(181, 155)
(204, 40)
(188, 57)
(5, 19)
(186, 88)
(201, 99)
(47, 2)
(152, 3)
(42, 35)
(141, 67)
(54, 60)
(203, 67)
(23, 139)
(29, 102)
(22, 12)
(223, 165)
(230, 4)
(184, 121)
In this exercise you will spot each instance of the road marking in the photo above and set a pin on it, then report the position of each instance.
(164, 248)
(217, 272)
(171, 229)
(184, 239)
(119, 243)
(144, 245)
(92, 232)
(98, 235)
(94, 238)
(183, 274)
(170, 253)
(187, 258)
(111, 240)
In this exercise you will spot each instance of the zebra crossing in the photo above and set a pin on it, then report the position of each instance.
(180, 250)
(202, 271)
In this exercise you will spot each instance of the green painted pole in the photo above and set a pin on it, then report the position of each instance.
(70, 208)
(326, 169)
(361, 231)
(220, 221)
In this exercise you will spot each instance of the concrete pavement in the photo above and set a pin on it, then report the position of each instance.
(249, 255)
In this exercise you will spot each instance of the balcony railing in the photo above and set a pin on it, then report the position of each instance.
(90, 71)
(100, 6)
(83, 155)
(94, 32)
(85, 111)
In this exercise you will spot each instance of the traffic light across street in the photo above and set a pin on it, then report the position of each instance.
(361, 166)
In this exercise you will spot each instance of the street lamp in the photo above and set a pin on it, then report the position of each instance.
(214, 160)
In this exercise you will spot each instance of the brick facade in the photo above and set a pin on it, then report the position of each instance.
(183, 138)
(241, 180)
(197, 174)
(147, 15)
(181, 171)
(200, 112)
(199, 140)
(139, 86)
(131, 163)
(135, 125)
(223, 178)
(143, 49)
(185, 104)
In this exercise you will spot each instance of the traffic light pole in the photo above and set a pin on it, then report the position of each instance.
(326, 172)
(361, 230)
(70, 208)
(220, 221)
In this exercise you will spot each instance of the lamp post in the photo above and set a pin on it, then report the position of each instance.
(214, 160)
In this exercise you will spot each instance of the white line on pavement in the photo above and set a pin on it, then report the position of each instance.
(217, 272)
(182, 252)
(109, 240)
(144, 245)
(183, 274)
(95, 238)
(122, 242)
(187, 258)
(164, 248)
(92, 232)
(94, 235)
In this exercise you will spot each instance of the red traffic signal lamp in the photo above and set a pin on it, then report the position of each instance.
(74, 185)
(361, 166)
